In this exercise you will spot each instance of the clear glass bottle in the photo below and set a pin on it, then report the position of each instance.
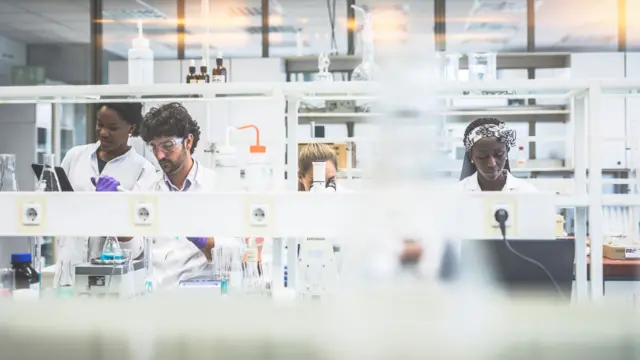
(323, 74)
(8, 173)
(482, 67)
(111, 249)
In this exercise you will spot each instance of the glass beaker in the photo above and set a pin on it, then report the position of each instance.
(482, 66)
(8, 173)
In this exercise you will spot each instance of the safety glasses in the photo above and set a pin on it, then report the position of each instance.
(166, 145)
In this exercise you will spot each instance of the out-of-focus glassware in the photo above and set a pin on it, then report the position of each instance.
(7, 282)
(8, 172)
(367, 70)
(449, 66)
(482, 66)
(48, 180)
(323, 74)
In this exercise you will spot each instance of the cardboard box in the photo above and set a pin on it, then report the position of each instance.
(621, 252)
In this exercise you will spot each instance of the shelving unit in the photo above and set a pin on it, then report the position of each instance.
(226, 210)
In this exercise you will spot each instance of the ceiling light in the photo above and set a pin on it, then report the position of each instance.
(131, 14)
(502, 6)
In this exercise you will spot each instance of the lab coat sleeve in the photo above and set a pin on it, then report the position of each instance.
(146, 178)
(136, 245)
(69, 158)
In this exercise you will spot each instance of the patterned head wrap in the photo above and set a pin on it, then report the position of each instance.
(502, 132)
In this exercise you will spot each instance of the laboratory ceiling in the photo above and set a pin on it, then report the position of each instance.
(234, 25)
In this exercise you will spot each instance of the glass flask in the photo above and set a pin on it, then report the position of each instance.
(367, 70)
(323, 74)
(8, 173)
(482, 66)
(48, 180)
(111, 249)
(449, 66)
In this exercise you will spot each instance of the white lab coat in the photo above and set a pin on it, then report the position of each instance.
(144, 150)
(174, 257)
(470, 183)
(81, 164)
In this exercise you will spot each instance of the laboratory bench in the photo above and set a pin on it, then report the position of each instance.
(621, 279)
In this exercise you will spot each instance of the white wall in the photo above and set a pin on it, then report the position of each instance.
(18, 136)
(12, 53)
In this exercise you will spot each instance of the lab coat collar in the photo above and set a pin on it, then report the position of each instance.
(193, 177)
(471, 183)
(94, 156)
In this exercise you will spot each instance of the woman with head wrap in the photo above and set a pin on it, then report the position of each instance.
(485, 167)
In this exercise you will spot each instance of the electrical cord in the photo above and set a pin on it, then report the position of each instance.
(332, 23)
(501, 216)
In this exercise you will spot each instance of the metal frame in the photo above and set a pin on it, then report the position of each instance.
(228, 214)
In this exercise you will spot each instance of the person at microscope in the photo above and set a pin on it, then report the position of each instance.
(173, 135)
(317, 152)
(485, 167)
(104, 166)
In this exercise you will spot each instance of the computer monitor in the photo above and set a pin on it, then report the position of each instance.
(519, 276)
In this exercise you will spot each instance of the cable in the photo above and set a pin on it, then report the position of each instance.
(332, 23)
(501, 216)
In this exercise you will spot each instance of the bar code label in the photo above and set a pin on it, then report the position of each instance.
(631, 253)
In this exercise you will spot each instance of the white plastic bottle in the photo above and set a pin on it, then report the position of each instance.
(226, 166)
(259, 173)
(140, 60)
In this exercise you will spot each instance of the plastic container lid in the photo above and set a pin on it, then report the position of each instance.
(21, 258)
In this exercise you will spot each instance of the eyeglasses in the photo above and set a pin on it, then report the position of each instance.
(165, 145)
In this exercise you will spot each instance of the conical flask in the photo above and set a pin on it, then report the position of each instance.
(8, 173)
(111, 249)
(48, 179)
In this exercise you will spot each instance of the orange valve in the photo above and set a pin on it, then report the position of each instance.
(257, 148)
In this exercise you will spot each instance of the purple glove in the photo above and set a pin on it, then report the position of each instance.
(106, 183)
(199, 242)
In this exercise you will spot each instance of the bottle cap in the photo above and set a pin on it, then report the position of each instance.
(257, 148)
(140, 41)
(21, 258)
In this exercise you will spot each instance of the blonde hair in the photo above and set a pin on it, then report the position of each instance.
(314, 152)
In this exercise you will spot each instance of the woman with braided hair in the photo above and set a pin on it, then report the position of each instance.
(485, 167)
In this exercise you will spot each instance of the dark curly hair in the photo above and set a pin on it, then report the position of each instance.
(169, 120)
(468, 168)
(131, 113)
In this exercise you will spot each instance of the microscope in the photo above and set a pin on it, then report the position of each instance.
(317, 269)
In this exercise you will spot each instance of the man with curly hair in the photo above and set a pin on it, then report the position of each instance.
(173, 135)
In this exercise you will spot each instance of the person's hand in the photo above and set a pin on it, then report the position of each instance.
(204, 244)
(106, 183)
(199, 242)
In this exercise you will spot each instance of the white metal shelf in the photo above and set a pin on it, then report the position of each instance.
(64, 93)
